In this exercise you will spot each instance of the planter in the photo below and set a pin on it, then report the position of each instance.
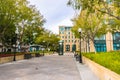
(27, 56)
(102, 72)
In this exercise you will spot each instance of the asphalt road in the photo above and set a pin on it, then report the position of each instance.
(51, 67)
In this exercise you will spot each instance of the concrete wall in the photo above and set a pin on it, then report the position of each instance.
(10, 59)
(102, 72)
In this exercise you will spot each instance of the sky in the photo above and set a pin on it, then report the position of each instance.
(56, 12)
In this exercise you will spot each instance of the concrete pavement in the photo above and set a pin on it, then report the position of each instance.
(51, 67)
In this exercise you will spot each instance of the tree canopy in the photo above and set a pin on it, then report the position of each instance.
(109, 7)
(19, 15)
(48, 40)
(92, 25)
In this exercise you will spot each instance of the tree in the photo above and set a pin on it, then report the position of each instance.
(29, 22)
(18, 14)
(92, 25)
(109, 7)
(8, 17)
(48, 40)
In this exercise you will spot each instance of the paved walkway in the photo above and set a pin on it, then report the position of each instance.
(51, 67)
(44, 68)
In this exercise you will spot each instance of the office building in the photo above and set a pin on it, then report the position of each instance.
(107, 42)
(70, 42)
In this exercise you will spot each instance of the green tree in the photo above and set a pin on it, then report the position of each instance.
(8, 17)
(109, 7)
(29, 22)
(92, 25)
(18, 14)
(48, 40)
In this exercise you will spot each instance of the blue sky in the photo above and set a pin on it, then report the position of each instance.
(56, 13)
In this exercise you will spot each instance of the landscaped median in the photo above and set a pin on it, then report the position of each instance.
(105, 65)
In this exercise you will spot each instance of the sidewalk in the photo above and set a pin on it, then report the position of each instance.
(84, 71)
(49, 67)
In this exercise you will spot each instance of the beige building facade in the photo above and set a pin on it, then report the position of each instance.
(108, 42)
(70, 42)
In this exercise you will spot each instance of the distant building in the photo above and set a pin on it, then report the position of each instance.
(108, 42)
(33, 48)
(71, 43)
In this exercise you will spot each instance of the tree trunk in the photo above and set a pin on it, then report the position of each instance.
(93, 42)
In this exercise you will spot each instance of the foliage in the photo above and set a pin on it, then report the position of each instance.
(48, 40)
(108, 8)
(107, 59)
(18, 15)
(92, 25)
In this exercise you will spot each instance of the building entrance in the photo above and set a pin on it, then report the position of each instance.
(73, 48)
(67, 47)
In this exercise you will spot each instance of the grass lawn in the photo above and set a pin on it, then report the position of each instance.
(110, 60)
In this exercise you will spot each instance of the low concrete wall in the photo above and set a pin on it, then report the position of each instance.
(102, 72)
(20, 57)
(10, 59)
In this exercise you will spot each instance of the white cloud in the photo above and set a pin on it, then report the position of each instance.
(56, 12)
(55, 27)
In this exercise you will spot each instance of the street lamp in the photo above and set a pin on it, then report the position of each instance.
(80, 55)
(15, 40)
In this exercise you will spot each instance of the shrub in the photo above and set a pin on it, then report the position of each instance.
(110, 60)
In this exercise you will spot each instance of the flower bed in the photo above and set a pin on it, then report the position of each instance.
(110, 60)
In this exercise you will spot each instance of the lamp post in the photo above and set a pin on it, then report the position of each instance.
(15, 40)
(80, 55)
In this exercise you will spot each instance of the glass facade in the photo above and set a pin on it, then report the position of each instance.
(100, 44)
(116, 41)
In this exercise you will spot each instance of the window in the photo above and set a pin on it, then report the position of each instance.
(100, 45)
(116, 41)
(69, 40)
(68, 37)
(72, 40)
(68, 32)
(65, 37)
(116, 36)
(61, 28)
(67, 28)
(65, 40)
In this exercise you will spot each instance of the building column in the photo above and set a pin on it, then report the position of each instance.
(109, 41)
